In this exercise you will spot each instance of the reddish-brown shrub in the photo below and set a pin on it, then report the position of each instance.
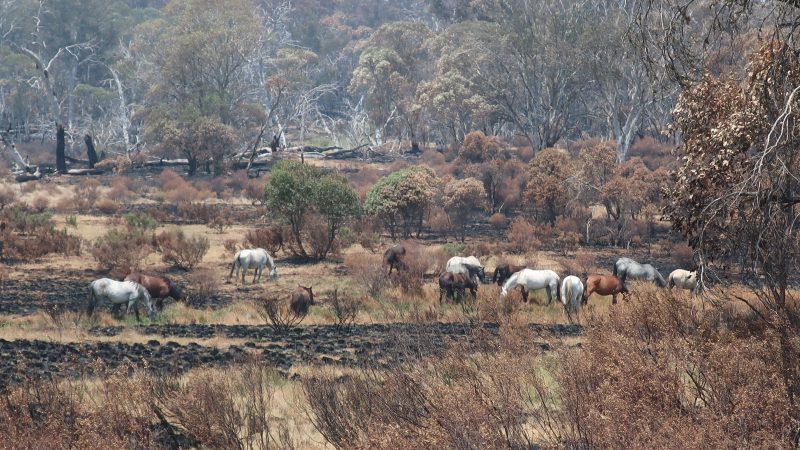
(231, 245)
(40, 203)
(682, 255)
(522, 237)
(107, 206)
(270, 239)
(7, 195)
(498, 221)
(181, 251)
(254, 191)
(121, 250)
(368, 272)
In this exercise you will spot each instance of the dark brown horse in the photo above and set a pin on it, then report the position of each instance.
(604, 285)
(393, 257)
(503, 271)
(158, 287)
(302, 299)
(450, 283)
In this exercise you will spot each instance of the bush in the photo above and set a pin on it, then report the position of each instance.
(204, 286)
(271, 239)
(140, 221)
(40, 203)
(121, 251)
(368, 271)
(682, 255)
(498, 221)
(7, 195)
(178, 250)
(107, 206)
(345, 309)
(522, 237)
(279, 314)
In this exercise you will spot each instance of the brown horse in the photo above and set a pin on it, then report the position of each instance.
(393, 257)
(302, 299)
(604, 285)
(450, 283)
(158, 287)
(503, 271)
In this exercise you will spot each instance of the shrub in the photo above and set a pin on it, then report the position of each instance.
(107, 206)
(498, 221)
(121, 251)
(40, 203)
(204, 286)
(231, 245)
(7, 195)
(178, 250)
(271, 239)
(140, 221)
(368, 271)
(219, 223)
(345, 309)
(279, 314)
(682, 255)
(71, 221)
(522, 237)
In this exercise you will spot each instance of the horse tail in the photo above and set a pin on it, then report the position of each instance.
(92, 301)
(659, 279)
(671, 281)
(235, 264)
(614, 270)
(558, 289)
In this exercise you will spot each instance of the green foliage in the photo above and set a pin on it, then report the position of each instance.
(401, 198)
(141, 221)
(71, 221)
(295, 190)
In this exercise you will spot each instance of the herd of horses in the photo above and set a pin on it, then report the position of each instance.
(467, 273)
(461, 273)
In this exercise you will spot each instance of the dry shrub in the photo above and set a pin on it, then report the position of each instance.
(7, 195)
(180, 251)
(278, 313)
(203, 285)
(120, 190)
(682, 255)
(367, 231)
(40, 203)
(121, 250)
(582, 264)
(498, 221)
(197, 212)
(271, 239)
(473, 396)
(671, 375)
(411, 276)
(231, 246)
(53, 414)
(254, 191)
(86, 193)
(29, 236)
(439, 222)
(522, 237)
(345, 308)
(175, 189)
(368, 272)
(107, 206)
(231, 410)
(219, 223)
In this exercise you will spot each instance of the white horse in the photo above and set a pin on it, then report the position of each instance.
(118, 292)
(256, 257)
(533, 280)
(571, 295)
(469, 266)
(683, 279)
(626, 268)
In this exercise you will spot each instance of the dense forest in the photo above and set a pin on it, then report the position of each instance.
(201, 79)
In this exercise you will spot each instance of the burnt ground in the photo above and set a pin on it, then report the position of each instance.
(378, 345)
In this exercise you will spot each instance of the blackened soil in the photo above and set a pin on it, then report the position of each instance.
(379, 345)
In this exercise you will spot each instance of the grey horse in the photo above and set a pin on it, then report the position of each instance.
(469, 266)
(626, 268)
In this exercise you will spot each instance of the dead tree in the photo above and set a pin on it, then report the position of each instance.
(90, 152)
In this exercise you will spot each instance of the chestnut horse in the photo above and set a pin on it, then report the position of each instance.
(604, 285)
(302, 299)
(158, 287)
(393, 257)
(503, 271)
(450, 283)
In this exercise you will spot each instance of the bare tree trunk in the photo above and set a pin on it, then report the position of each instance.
(123, 111)
(90, 152)
(61, 160)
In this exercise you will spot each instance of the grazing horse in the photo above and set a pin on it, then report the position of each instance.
(257, 257)
(533, 280)
(450, 283)
(571, 295)
(393, 257)
(626, 268)
(503, 271)
(115, 292)
(683, 279)
(158, 287)
(469, 266)
(302, 299)
(605, 285)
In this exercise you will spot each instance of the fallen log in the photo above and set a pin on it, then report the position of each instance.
(311, 149)
(27, 177)
(167, 162)
(94, 171)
